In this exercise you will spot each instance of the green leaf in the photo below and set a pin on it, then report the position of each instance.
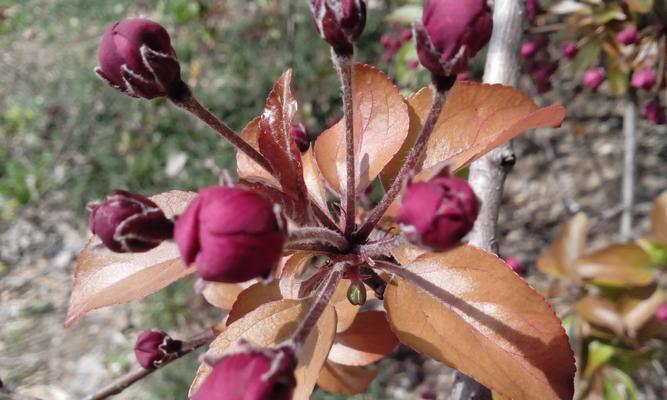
(611, 12)
(628, 382)
(587, 57)
(619, 81)
(599, 354)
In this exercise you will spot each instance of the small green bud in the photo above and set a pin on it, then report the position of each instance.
(356, 294)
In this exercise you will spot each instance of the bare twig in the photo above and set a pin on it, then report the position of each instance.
(439, 99)
(487, 175)
(344, 68)
(130, 378)
(629, 151)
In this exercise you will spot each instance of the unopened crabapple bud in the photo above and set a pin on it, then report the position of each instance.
(232, 235)
(406, 35)
(129, 223)
(339, 22)
(153, 347)
(528, 49)
(661, 313)
(570, 50)
(655, 112)
(251, 373)
(533, 8)
(300, 136)
(136, 57)
(593, 78)
(438, 213)
(627, 36)
(450, 33)
(515, 265)
(644, 78)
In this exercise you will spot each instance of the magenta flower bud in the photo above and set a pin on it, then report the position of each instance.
(661, 313)
(533, 8)
(385, 40)
(406, 35)
(129, 223)
(463, 76)
(452, 32)
(570, 50)
(515, 265)
(655, 112)
(251, 373)
(300, 136)
(627, 36)
(644, 78)
(339, 22)
(136, 58)
(232, 235)
(153, 347)
(545, 71)
(438, 213)
(593, 78)
(528, 50)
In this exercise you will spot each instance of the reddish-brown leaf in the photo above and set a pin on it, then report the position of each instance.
(271, 324)
(466, 308)
(275, 141)
(345, 379)
(659, 219)
(602, 313)
(567, 248)
(380, 122)
(314, 182)
(640, 309)
(250, 299)
(368, 339)
(617, 265)
(247, 168)
(291, 205)
(103, 278)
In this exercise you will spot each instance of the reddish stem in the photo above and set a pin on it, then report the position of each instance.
(439, 98)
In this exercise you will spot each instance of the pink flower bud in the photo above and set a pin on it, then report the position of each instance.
(251, 373)
(463, 76)
(528, 49)
(515, 265)
(593, 78)
(627, 36)
(438, 213)
(452, 32)
(129, 223)
(533, 8)
(655, 112)
(232, 235)
(136, 58)
(385, 40)
(339, 22)
(300, 136)
(661, 313)
(570, 50)
(644, 79)
(153, 347)
(406, 35)
(544, 72)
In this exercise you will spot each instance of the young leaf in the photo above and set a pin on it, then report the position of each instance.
(345, 379)
(637, 311)
(602, 313)
(567, 248)
(253, 297)
(247, 168)
(275, 141)
(103, 278)
(314, 183)
(598, 355)
(466, 308)
(291, 205)
(380, 127)
(617, 265)
(271, 324)
(223, 295)
(659, 219)
(368, 339)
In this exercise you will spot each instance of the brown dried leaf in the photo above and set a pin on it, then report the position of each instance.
(275, 141)
(602, 313)
(466, 308)
(659, 219)
(368, 339)
(271, 324)
(344, 379)
(380, 122)
(567, 248)
(103, 278)
(617, 265)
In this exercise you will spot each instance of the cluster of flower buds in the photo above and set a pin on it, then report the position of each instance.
(153, 347)
(538, 62)
(451, 32)
(129, 223)
(393, 41)
(231, 235)
(301, 137)
(437, 214)
(136, 57)
(250, 372)
(339, 22)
